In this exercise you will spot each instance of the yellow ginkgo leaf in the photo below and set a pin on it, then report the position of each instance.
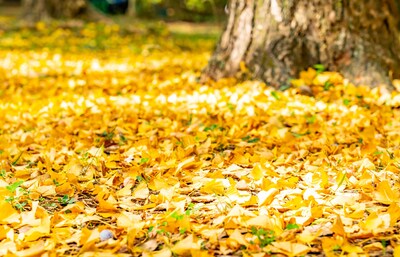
(266, 197)
(291, 249)
(185, 246)
(385, 194)
(257, 172)
(213, 187)
(396, 252)
(338, 227)
(141, 191)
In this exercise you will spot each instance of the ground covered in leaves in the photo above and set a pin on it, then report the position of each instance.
(109, 144)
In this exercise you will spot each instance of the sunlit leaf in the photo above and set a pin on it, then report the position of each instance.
(385, 194)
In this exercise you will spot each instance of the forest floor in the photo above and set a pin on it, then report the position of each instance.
(110, 145)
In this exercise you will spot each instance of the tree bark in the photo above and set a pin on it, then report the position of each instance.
(276, 39)
(36, 10)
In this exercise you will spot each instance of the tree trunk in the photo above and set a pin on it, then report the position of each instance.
(132, 8)
(276, 39)
(36, 10)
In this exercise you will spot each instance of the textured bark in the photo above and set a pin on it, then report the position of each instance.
(36, 10)
(276, 39)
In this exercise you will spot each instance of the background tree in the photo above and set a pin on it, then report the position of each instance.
(276, 39)
(35, 10)
(189, 10)
(132, 8)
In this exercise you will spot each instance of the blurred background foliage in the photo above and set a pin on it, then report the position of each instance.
(183, 10)
(167, 10)
(183, 26)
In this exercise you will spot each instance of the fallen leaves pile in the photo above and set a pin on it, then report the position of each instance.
(120, 150)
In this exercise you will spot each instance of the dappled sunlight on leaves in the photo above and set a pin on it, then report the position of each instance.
(118, 151)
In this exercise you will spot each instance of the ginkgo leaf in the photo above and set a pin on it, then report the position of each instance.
(352, 248)
(238, 211)
(125, 191)
(39, 221)
(65, 189)
(88, 239)
(127, 219)
(291, 249)
(3, 231)
(375, 222)
(8, 214)
(46, 190)
(394, 212)
(185, 246)
(396, 252)
(306, 236)
(338, 227)
(266, 197)
(35, 249)
(141, 191)
(105, 205)
(385, 194)
(213, 187)
(189, 163)
(165, 252)
(257, 172)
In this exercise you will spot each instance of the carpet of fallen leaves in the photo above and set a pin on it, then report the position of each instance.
(110, 145)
